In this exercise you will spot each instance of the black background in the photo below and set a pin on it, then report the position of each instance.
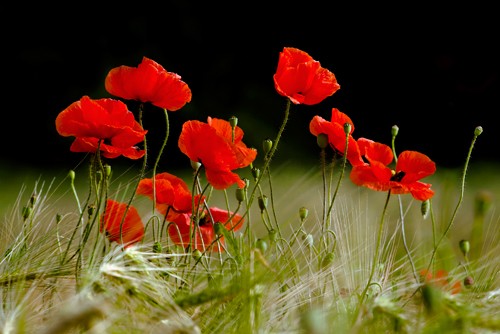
(433, 72)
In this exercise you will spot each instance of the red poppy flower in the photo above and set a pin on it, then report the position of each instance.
(441, 280)
(204, 235)
(148, 82)
(302, 79)
(212, 145)
(171, 192)
(132, 229)
(336, 134)
(106, 124)
(411, 166)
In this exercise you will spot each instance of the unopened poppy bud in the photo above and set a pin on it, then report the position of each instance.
(261, 245)
(27, 210)
(157, 248)
(478, 131)
(233, 121)
(240, 194)
(327, 260)
(262, 200)
(197, 254)
(267, 145)
(33, 199)
(247, 182)
(218, 228)
(394, 130)
(107, 170)
(195, 165)
(347, 128)
(71, 175)
(255, 172)
(424, 208)
(482, 203)
(303, 213)
(464, 246)
(322, 140)
(308, 239)
(273, 236)
(468, 281)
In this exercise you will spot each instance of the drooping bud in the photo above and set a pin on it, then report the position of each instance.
(478, 130)
(303, 213)
(71, 175)
(322, 140)
(262, 200)
(327, 260)
(464, 247)
(424, 208)
(267, 145)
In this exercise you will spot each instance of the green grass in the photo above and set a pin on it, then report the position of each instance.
(308, 281)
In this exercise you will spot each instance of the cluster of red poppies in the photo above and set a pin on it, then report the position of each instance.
(107, 127)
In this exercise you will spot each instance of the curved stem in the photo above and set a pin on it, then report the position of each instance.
(167, 133)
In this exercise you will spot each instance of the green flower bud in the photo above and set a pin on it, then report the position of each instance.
(267, 145)
(394, 130)
(478, 131)
(464, 246)
(303, 213)
(71, 175)
(262, 200)
(273, 235)
(327, 260)
(240, 194)
(219, 228)
(107, 170)
(91, 209)
(195, 165)
(27, 210)
(424, 208)
(261, 245)
(255, 173)
(247, 182)
(322, 140)
(197, 254)
(308, 239)
(233, 121)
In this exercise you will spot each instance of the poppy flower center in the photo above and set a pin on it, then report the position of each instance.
(398, 176)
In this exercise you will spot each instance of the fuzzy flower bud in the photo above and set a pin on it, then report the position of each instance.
(308, 240)
(322, 140)
(262, 200)
(267, 145)
(197, 254)
(394, 130)
(107, 170)
(303, 213)
(273, 236)
(240, 194)
(478, 131)
(464, 246)
(327, 260)
(195, 165)
(71, 175)
(261, 245)
(424, 208)
(255, 173)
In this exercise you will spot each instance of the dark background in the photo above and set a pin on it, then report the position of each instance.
(432, 72)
